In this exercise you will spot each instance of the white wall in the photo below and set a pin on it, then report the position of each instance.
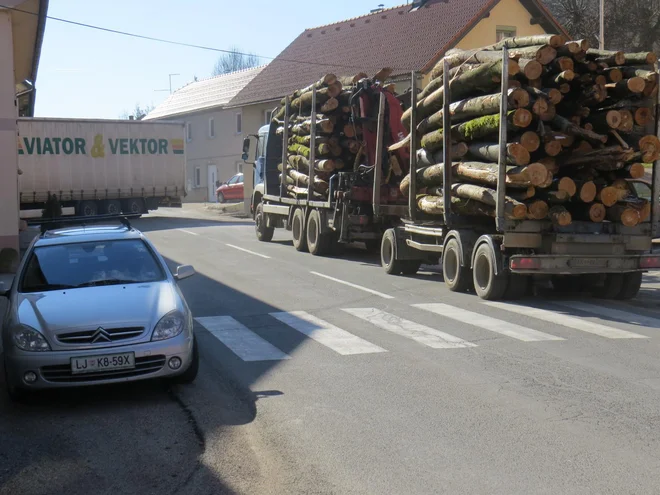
(8, 154)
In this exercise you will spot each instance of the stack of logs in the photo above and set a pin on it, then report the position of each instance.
(338, 137)
(580, 122)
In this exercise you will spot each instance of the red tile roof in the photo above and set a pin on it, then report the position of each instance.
(395, 37)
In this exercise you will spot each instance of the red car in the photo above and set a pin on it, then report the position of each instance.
(232, 190)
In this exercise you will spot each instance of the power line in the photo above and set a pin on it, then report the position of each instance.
(188, 45)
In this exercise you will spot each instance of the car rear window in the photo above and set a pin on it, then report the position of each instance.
(89, 264)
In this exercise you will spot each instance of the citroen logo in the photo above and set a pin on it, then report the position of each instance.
(100, 336)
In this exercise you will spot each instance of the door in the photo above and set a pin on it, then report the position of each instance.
(212, 177)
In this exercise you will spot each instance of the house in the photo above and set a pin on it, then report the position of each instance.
(407, 38)
(214, 133)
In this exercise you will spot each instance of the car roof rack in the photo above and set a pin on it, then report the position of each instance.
(84, 220)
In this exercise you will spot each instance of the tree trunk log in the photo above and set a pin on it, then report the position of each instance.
(627, 121)
(595, 212)
(522, 194)
(474, 107)
(553, 95)
(513, 210)
(609, 195)
(301, 164)
(301, 179)
(606, 56)
(614, 75)
(635, 170)
(433, 205)
(468, 56)
(650, 147)
(425, 159)
(587, 192)
(626, 87)
(544, 54)
(537, 210)
(567, 127)
(516, 154)
(560, 216)
(642, 58)
(624, 214)
(554, 40)
(530, 141)
(532, 69)
(605, 121)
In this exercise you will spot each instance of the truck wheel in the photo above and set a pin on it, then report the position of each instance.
(264, 233)
(632, 282)
(388, 259)
(458, 278)
(611, 286)
(518, 286)
(221, 198)
(298, 230)
(112, 207)
(487, 285)
(317, 243)
(89, 209)
(133, 206)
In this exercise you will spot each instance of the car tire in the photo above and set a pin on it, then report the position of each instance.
(221, 198)
(264, 233)
(188, 376)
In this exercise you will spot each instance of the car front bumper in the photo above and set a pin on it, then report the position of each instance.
(53, 368)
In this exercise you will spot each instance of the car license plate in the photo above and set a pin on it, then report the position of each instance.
(588, 262)
(92, 364)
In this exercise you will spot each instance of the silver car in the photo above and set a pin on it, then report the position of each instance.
(96, 305)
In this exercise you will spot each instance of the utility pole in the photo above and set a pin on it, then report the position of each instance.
(601, 37)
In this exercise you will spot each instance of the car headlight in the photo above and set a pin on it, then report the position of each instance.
(28, 339)
(169, 326)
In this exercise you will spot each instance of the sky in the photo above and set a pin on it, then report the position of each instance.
(84, 73)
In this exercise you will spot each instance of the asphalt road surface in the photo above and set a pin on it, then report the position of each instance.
(325, 375)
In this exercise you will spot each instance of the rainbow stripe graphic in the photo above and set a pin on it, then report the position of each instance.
(177, 146)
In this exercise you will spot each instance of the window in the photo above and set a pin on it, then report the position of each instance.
(504, 32)
(233, 180)
(239, 123)
(268, 116)
(240, 179)
(211, 127)
(90, 264)
(198, 177)
(188, 132)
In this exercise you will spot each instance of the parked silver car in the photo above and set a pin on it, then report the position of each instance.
(93, 305)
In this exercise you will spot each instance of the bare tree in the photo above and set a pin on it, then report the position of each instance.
(235, 60)
(138, 112)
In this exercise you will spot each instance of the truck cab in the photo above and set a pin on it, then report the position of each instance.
(258, 165)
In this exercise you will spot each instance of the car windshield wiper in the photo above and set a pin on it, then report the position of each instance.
(47, 287)
(109, 281)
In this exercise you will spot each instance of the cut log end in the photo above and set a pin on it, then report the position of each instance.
(518, 98)
(531, 141)
(627, 216)
(568, 185)
(650, 148)
(555, 95)
(540, 106)
(522, 118)
(537, 210)
(533, 69)
(615, 75)
(588, 193)
(536, 174)
(636, 84)
(643, 116)
(552, 148)
(560, 216)
(613, 119)
(597, 212)
(519, 211)
(608, 196)
(637, 171)
(627, 121)
(518, 154)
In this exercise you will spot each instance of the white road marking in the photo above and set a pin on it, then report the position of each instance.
(242, 341)
(625, 316)
(335, 338)
(567, 321)
(187, 231)
(420, 333)
(488, 323)
(355, 286)
(248, 251)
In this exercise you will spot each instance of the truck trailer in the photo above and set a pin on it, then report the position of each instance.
(98, 167)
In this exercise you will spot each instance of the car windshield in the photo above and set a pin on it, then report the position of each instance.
(90, 264)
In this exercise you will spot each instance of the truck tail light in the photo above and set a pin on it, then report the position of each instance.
(649, 262)
(525, 264)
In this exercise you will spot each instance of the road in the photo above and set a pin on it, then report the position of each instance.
(325, 375)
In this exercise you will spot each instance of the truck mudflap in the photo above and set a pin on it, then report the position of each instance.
(576, 265)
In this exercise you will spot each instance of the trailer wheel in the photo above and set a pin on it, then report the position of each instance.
(458, 278)
(264, 233)
(133, 206)
(112, 207)
(317, 243)
(632, 282)
(388, 254)
(89, 209)
(486, 284)
(298, 230)
(611, 287)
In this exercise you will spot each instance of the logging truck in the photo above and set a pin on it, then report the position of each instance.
(546, 177)
(470, 220)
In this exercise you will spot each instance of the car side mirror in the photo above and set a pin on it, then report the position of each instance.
(184, 271)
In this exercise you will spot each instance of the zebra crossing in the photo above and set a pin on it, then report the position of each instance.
(250, 346)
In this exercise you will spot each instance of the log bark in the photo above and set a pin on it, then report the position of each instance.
(516, 154)
(544, 54)
(550, 164)
(641, 58)
(606, 56)
(564, 77)
(626, 87)
(425, 159)
(522, 194)
(484, 77)
(561, 64)
(301, 179)
(624, 214)
(604, 121)
(474, 107)
(477, 128)
(513, 210)
(614, 75)
(553, 40)
(301, 164)
(567, 127)
(537, 210)
(467, 56)
(595, 212)
(323, 126)
(560, 216)
(433, 205)
(351, 81)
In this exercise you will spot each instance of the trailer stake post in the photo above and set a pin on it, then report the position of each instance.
(285, 144)
(378, 166)
(446, 144)
(501, 176)
(412, 189)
